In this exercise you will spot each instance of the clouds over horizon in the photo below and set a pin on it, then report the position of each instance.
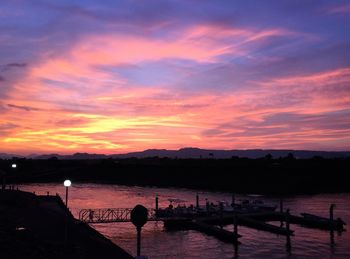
(121, 76)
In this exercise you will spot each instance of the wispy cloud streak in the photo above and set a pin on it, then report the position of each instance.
(105, 77)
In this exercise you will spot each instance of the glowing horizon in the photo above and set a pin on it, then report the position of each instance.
(127, 76)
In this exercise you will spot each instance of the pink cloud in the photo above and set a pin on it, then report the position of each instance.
(80, 108)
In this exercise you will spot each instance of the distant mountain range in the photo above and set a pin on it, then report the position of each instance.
(194, 153)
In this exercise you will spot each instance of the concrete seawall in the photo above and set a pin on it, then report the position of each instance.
(34, 226)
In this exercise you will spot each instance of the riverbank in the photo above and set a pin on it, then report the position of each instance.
(34, 226)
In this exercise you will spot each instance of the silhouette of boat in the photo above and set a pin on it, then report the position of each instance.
(254, 206)
(338, 223)
(177, 208)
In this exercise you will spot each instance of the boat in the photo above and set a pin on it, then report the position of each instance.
(322, 219)
(176, 208)
(254, 205)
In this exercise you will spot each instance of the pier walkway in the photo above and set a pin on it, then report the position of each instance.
(110, 215)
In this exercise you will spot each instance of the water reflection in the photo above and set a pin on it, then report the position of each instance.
(331, 234)
(158, 243)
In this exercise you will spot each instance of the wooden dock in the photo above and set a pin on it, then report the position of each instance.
(199, 225)
(207, 221)
(208, 224)
(311, 222)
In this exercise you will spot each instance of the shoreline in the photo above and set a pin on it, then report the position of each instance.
(285, 176)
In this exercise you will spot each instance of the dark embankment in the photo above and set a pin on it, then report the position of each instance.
(41, 227)
(275, 176)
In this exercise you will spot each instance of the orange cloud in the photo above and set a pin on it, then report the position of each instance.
(69, 104)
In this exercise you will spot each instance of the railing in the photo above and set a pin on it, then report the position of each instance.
(110, 215)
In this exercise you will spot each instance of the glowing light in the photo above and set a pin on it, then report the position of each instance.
(67, 183)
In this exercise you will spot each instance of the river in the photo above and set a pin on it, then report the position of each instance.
(158, 243)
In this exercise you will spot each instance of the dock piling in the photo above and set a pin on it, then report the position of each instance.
(235, 232)
(235, 224)
(197, 201)
(288, 243)
(281, 211)
(287, 214)
(207, 205)
(157, 207)
(331, 213)
(221, 214)
(331, 219)
(331, 235)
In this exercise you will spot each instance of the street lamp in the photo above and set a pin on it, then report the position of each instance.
(14, 166)
(139, 216)
(67, 184)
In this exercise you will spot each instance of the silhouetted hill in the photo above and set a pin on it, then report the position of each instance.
(196, 153)
(8, 156)
(250, 153)
(80, 156)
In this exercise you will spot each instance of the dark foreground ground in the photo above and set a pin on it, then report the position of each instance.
(241, 175)
(34, 227)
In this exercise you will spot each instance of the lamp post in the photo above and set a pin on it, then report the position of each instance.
(13, 166)
(67, 184)
(139, 216)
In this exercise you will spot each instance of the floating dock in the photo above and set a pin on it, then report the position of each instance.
(309, 220)
(199, 225)
(256, 220)
(207, 220)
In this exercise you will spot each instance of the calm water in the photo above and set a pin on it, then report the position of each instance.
(158, 243)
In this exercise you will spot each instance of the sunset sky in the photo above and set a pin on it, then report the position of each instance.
(119, 76)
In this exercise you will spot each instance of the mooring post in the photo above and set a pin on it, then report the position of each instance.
(207, 205)
(287, 220)
(233, 200)
(288, 244)
(235, 224)
(332, 237)
(235, 232)
(221, 214)
(281, 211)
(331, 219)
(331, 215)
(157, 203)
(197, 201)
